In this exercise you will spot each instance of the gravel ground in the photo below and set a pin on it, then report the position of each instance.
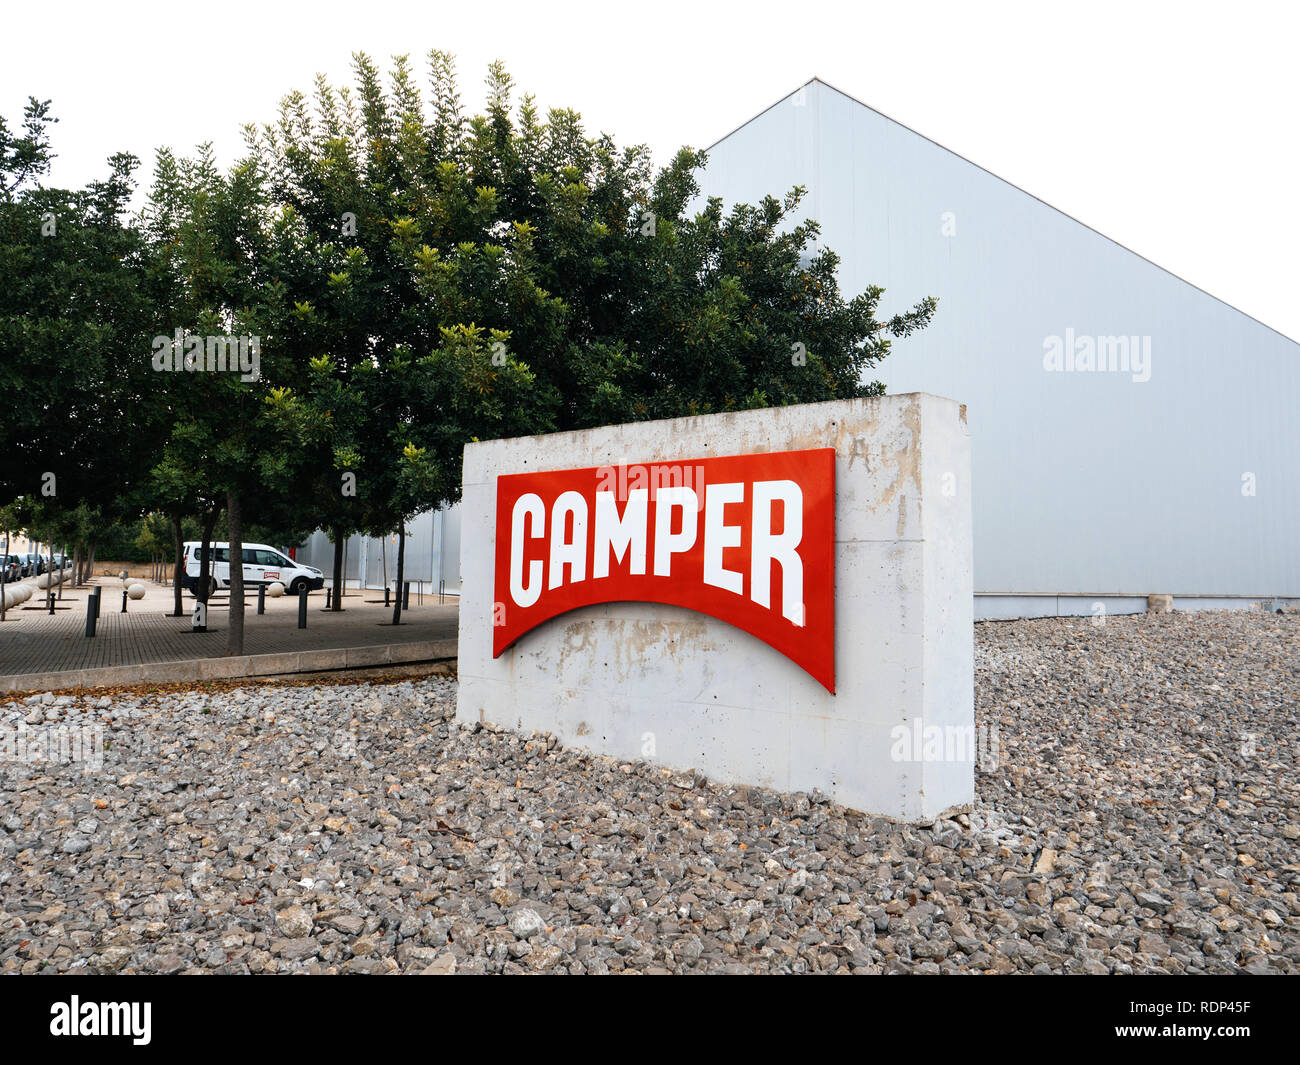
(1137, 813)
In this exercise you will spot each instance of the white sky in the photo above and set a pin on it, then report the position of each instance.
(1170, 127)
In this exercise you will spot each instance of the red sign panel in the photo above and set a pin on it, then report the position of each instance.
(748, 539)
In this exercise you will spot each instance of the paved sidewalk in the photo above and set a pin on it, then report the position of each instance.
(35, 643)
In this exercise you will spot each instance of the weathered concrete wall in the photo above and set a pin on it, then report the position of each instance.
(639, 680)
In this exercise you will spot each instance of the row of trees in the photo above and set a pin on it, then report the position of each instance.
(405, 278)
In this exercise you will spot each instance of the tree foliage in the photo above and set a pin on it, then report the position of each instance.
(417, 278)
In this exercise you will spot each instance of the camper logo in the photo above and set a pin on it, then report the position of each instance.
(747, 539)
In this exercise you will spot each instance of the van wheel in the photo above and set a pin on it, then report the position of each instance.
(297, 586)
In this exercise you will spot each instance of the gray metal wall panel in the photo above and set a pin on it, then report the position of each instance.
(377, 573)
(449, 552)
(432, 553)
(1084, 483)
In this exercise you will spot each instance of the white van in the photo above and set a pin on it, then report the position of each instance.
(263, 564)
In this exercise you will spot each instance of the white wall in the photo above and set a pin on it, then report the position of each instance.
(1085, 483)
(432, 554)
(713, 698)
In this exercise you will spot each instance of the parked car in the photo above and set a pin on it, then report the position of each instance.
(34, 564)
(262, 565)
(13, 568)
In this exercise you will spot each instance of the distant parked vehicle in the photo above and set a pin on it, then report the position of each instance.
(13, 568)
(33, 564)
(262, 565)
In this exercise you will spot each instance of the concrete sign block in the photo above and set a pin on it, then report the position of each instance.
(889, 731)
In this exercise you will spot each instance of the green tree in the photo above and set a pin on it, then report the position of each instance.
(507, 274)
(218, 243)
(417, 279)
(76, 294)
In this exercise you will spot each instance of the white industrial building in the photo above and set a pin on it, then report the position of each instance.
(432, 562)
(1130, 433)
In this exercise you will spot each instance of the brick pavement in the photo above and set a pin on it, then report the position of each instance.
(35, 642)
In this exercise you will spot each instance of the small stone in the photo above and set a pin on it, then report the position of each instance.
(544, 958)
(293, 922)
(1156, 902)
(1153, 945)
(295, 949)
(364, 946)
(526, 923)
(348, 924)
(113, 959)
(689, 947)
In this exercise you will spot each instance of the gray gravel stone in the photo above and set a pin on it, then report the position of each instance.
(1137, 812)
(526, 923)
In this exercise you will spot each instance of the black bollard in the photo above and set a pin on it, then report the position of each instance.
(328, 593)
(386, 602)
(261, 598)
(90, 615)
(302, 607)
(123, 600)
(99, 595)
(406, 595)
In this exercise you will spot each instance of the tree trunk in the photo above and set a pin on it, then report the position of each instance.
(235, 525)
(340, 545)
(4, 573)
(65, 559)
(178, 608)
(401, 562)
(90, 560)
